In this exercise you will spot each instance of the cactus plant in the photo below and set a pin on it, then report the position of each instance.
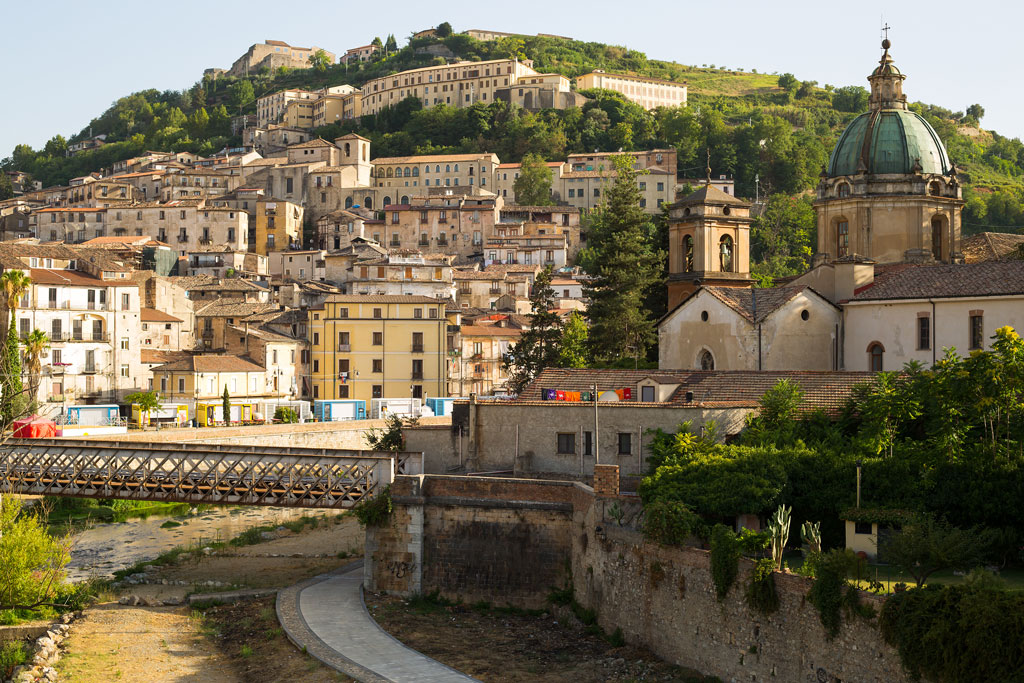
(810, 533)
(778, 528)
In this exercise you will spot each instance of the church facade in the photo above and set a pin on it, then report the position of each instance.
(888, 283)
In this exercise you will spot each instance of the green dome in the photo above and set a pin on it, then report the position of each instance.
(889, 141)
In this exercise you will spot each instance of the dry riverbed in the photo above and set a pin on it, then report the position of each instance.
(221, 644)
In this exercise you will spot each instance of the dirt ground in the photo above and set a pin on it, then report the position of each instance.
(502, 645)
(230, 643)
(141, 644)
(249, 635)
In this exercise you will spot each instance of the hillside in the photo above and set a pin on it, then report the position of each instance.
(775, 129)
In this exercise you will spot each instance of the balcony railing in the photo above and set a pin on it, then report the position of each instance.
(396, 243)
(495, 290)
(205, 242)
(207, 334)
(417, 348)
(89, 370)
(183, 238)
(417, 375)
(95, 337)
(344, 348)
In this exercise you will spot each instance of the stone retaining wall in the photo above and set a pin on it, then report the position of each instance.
(513, 540)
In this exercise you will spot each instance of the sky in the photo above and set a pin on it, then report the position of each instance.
(77, 58)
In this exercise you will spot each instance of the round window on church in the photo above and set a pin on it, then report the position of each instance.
(726, 211)
(704, 316)
(686, 211)
(804, 314)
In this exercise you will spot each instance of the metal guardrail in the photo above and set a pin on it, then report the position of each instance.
(199, 473)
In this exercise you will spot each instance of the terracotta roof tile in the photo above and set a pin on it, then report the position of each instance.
(211, 363)
(991, 278)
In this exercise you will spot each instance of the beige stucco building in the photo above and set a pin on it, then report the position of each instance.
(272, 54)
(649, 93)
(399, 177)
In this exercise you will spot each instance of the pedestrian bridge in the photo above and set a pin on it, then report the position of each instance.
(199, 473)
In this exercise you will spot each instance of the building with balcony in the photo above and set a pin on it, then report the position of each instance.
(278, 226)
(224, 262)
(483, 288)
(373, 346)
(92, 320)
(455, 224)
(187, 225)
(204, 377)
(477, 366)
(403, 273)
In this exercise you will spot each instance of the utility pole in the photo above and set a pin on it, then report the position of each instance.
(597, 436)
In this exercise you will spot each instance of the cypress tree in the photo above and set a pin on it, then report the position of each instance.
(627, 267)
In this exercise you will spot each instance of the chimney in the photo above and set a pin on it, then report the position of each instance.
(851, 276)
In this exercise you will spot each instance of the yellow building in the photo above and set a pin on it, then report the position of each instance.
(204, 378)
(378, 346)
(278, 226)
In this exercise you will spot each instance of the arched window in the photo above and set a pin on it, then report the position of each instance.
(405, 199)
(348, 149)
(938, 228)
(706, 360)
(390, 173)
(843, 190)
(408, 172)
(725, 254)
(875, 353)
(348, 202)
(447, 168)
(368, 202)
(935, 188)
(437, 168)
(842, 238)
(416, 172)
(688, 254)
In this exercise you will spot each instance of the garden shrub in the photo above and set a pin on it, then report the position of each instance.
(671, 522)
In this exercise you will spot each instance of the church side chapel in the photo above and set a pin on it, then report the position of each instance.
(888, 210)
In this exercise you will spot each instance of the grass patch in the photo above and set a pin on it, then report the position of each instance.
(12, 654)
(426, 603)
(245, 651)
(170, 524)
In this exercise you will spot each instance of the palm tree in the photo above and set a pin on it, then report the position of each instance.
(35, 346)
(15, 284)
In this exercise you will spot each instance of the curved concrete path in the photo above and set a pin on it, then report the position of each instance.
(326, 617)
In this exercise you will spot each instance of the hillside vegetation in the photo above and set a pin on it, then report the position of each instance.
(771, 133)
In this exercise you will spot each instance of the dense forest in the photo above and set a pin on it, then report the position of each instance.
(772, 133)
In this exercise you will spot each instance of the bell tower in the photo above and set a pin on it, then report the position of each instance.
(709, 242)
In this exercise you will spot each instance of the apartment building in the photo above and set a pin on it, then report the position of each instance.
(483, 288)
(161, 331)
(187, 225)
(195, 184)
(363, 53)
(460, 84)
(586, 178)
(516, 247)
(411, 274)
(399, 176)
(505, 177)
(279, 355)
(336, 230)
(223, 261)
(147, 184)
(71, 225)
(649, 93)
(214, 319)
(90, 310)
(478, 365)
(271, 108)
(337, 106)
(371, 346)
(454, 224)
(541, 91)
(278, 225)
(300, 265)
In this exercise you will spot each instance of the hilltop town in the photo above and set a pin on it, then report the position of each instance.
(601, 383)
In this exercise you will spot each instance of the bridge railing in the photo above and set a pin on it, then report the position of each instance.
(193, 473)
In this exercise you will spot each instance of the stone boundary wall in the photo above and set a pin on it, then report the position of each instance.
(473, 538)
(664, 599)
(513, 540)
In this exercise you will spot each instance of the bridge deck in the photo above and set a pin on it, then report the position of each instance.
(199, 473)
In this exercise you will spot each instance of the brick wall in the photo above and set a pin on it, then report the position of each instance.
(606, 480)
